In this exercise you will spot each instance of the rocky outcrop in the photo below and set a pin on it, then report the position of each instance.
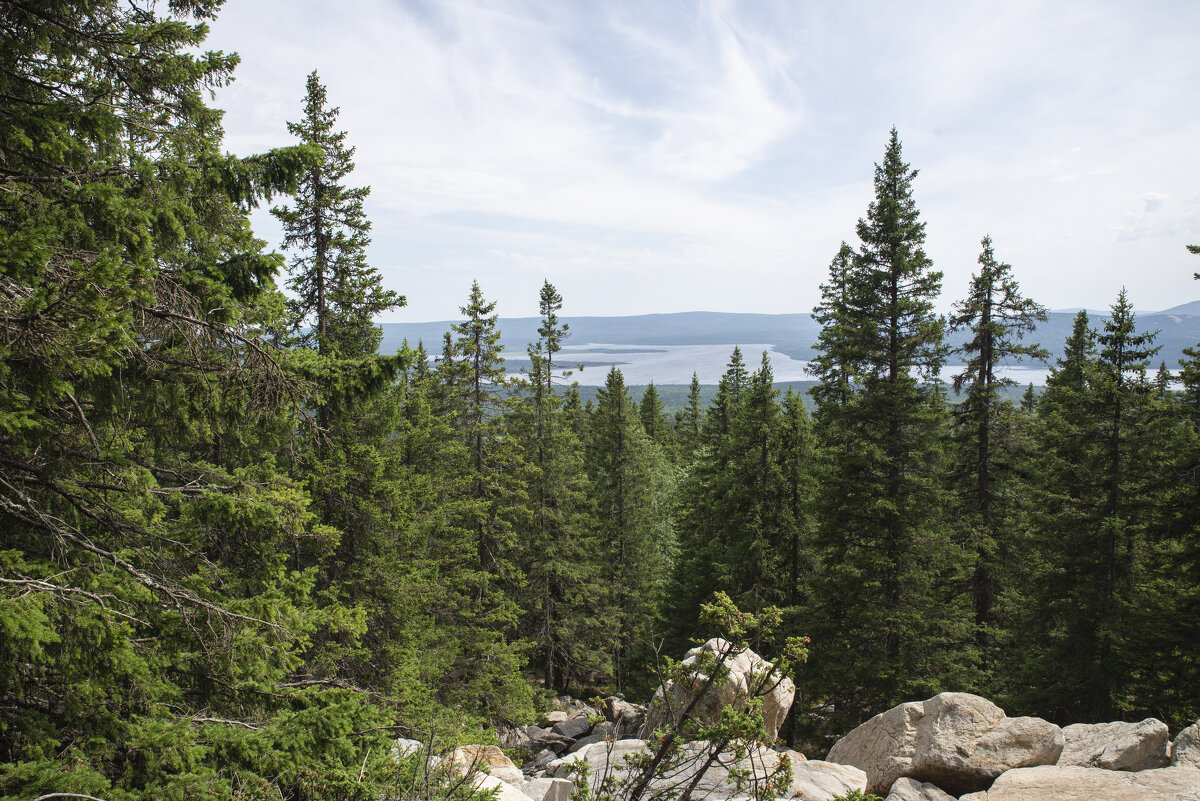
(504, 790)
(746, 677)
(958, 741)
(1186, 748)
(549, 789)
(484, 759)
(816, 780)
(1116, 746)
(1074, 783)
(811, 781)
(906, 789)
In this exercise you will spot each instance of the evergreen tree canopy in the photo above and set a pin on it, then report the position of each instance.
(337, 293)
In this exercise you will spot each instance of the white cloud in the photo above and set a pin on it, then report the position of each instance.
(664, 157)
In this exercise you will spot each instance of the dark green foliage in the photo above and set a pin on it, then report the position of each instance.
(988, 441)
(631, 485)
(337, 293)
(560, 556)
(882, 418)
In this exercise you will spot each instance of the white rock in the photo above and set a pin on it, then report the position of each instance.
(958, 741)
(609, 759)
(1116, 746)
(403, 747)
(549, 789)
(815, 780)
(504, 790)
(906, 789)
(486, 759)
(1074, 783)
(746, 674)
(1186, 748)
(557, 716)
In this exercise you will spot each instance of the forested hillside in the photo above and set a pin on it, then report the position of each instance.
(241, 550)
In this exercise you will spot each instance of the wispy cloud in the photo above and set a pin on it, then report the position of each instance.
(712, 154)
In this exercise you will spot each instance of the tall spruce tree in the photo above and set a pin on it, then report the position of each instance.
(905, 631)
(629, 524)
(986, 440)
(337, 293)
(558, 553)
(154, 614)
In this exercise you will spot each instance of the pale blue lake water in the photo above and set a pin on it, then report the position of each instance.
(674, 364)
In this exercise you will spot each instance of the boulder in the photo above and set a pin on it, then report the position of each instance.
(746, 673)
(1186, 748)
(906, 789)
(958, 741)
(1075, 783)
(814, 780)
(403, 747)
(515, 737)
(548, 739)
(626, 716)
(539, 762)
(504, 790)
(556, 716)
(606, 729)
(1116, 746)
(572, 728)
(549, 789)
(485, 759)
(584, 742)
(601, 758)
(609, 759)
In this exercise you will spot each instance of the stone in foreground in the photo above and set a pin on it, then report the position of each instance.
(1116, 746)
(1186, 748)
(958, 741)
(484, 758)
(609, 759)
(549, 789)
(1074, 783)
(504, 790)
(906, 789)
(815, 780)
(746, 675)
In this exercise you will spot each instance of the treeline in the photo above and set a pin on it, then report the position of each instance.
(241, 551)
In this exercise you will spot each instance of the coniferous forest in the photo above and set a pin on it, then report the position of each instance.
(241, 551)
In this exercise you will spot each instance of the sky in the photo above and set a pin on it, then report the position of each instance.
(666, 156)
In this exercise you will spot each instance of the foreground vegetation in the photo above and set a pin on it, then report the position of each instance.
(241, 551)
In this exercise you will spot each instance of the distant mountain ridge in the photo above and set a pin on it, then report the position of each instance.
(791, 334)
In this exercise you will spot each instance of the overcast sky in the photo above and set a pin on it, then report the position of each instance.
(663, 156)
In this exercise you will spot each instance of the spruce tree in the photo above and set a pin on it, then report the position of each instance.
(155, 616)
(559, 557)
(637, 547)
(892, 623)
(984, 433)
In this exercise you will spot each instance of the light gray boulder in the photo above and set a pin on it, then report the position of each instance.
(906, 789)
(504, 790)
(958, 741)
(1075, 783)
(627, 717)
(1116, 746)
(556, 716)
(484, 759)
(549, 789)
(403, 747)
(746, 674)
(1186, 748)
(609, 758)
(816, 780)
